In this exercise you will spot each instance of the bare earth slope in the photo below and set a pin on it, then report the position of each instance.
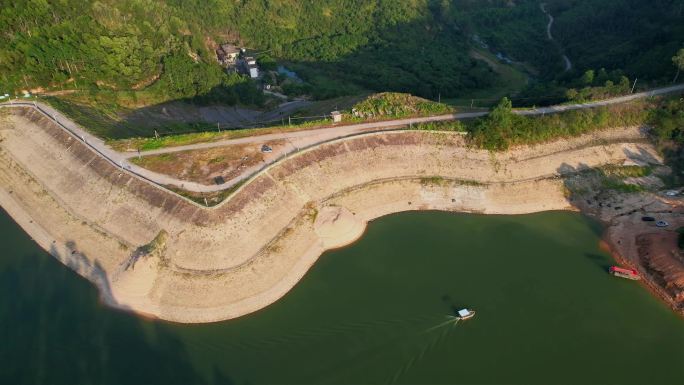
(154, 253)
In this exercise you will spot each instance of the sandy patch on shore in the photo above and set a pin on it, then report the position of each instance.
(338, 227)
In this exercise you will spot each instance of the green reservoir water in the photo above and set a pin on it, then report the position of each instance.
(376, 312)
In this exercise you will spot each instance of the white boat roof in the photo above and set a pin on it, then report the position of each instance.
(463, 312)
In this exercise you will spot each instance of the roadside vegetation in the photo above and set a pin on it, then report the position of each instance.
(598, 85)
(498, 131)
(397, 105)
(502, 128)
(455, 126)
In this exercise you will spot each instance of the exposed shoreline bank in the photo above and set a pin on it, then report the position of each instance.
(238, 257)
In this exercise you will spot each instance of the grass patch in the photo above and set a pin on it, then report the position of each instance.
(623, 172)
(157, 243)
(398, 105)
(619, 186)
(150, 161)
(612, 177)
(433, 181)
(217, 160)
(454, 125)
(208, 199)
(441, 181)
(607, 178)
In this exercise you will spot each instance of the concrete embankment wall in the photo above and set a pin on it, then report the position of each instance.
(244, 254)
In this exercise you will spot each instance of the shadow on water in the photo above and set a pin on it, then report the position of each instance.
(453, 306)
(54, 331)
(599, 261)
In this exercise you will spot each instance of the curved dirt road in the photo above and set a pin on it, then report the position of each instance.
(305, 139)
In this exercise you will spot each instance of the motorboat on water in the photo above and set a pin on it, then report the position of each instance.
(465, 314)
(624, 272)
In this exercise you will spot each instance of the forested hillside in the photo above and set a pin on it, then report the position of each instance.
(157, 50)
(110, 45)
(640, 37)
(518, 31)
(132, 44)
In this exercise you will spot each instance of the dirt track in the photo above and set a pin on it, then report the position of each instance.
(296, 139)
(244, 254)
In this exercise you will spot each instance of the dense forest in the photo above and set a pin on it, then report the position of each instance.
(133, 44)
(636, 36)
(162, 50)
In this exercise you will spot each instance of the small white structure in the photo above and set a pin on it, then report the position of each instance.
(248, 66)
(253, 72)
(336, 116)
(465, 314)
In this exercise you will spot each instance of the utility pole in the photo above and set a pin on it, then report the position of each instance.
(633, 86)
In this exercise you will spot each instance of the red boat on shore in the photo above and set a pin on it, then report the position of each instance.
(624, 272)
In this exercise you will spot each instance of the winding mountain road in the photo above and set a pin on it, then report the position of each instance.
(304, 139)
(566, 60)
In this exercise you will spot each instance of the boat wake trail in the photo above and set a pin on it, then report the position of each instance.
(432, 343)
(451, 320)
